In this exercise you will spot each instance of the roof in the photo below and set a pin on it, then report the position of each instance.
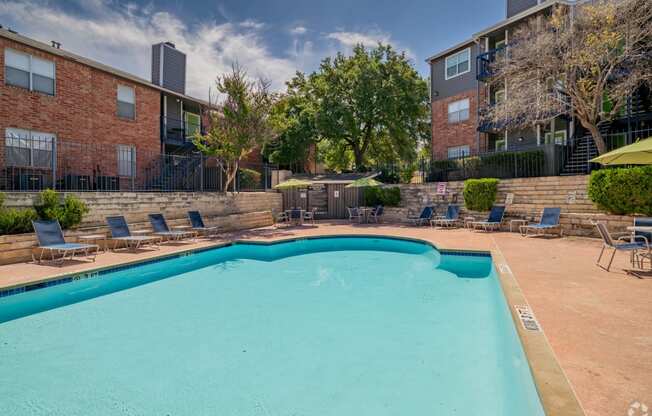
(451, 49)
(93, 64)
(335, 177)
(525, 13)
(501, 24)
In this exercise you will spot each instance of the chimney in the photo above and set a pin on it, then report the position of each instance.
(169, 67)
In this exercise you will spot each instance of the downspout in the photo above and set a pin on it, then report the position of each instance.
(477, 98)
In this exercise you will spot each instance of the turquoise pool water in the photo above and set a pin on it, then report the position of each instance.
(333, 326)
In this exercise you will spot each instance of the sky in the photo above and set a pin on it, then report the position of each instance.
(269, 38)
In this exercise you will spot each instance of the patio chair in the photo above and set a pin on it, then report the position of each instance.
(310, 215)
(50, 238)
(632, 247)
(280, 217)
(354, 214)
(120, 232)
(296, 216)
(644, 222)
(494, 220)
(451, 219)
(424, 218)
(549, 222)
(160, 227)
(198, 225)
(377, 213)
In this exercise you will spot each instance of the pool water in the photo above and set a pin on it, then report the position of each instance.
(332, 326)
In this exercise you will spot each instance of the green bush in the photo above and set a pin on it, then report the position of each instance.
(622, 190)
(16, 221)
(389, 197)
(69, 213)
(249, 179)
(407, 172)
(480, 194)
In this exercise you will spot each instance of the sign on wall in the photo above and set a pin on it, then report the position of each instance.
(509, 199)
(336, 194)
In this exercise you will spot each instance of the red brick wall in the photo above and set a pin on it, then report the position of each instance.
(84, 110)
(445, 134)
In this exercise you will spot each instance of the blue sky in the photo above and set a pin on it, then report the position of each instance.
(272, 38)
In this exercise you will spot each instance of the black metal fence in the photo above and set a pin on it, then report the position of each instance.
(562, 158)
(33, 163)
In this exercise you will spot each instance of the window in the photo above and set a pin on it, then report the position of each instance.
(560, 137)
(458, 64)
(29, 72)
(126, 102)
(193, 124)
(126, 160)
(458, 151)
(29, 148)
(458, 111)
(499, 96)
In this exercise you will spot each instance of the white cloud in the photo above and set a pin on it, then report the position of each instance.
(299, 30)
(121, 37)
(350, 39)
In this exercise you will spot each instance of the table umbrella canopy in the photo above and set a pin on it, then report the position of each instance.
(364, 182)
(293, 183)
(639, 153)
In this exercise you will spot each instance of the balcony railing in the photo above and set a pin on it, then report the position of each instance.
(484, 63)
(179, 132)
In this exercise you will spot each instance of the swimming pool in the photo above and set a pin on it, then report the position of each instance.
(328, 326)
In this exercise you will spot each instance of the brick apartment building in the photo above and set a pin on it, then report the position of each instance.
(81, 125)
(459, 96)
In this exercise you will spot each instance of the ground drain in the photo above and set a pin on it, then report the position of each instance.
(527, 318)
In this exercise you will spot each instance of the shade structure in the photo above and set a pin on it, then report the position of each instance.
(293, 183)
(639, 153)
(364, 182)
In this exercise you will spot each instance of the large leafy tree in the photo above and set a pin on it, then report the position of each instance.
(585, 60)
(241, 122)
(368, 107)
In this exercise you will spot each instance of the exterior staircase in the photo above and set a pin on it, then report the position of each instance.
(577, 161)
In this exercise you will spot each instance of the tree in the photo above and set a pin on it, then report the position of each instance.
(584, 60)
(370, 106)
(241, 122)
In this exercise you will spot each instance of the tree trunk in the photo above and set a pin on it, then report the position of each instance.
(359, 159)
(597, 137)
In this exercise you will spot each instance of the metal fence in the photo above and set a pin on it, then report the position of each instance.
(562, 158)
(33, 163)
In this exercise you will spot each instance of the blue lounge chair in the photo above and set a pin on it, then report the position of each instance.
(120, 233)
(198, 225)
(549, 222)
(451, 219)
(494, 220)
(161, 228)
(50, 238)
(424, 218)
(633, 246)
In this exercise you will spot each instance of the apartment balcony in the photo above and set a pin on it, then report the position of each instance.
(484, 63)
(179, 132)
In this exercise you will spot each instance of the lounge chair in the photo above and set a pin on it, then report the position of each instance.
(50, 238)
(633, 246)
(451, 219)
(377, 213)
(354, 214)
(494, 220)
(424, 218)
(161, 228)
(120, 232)
(549, 222)
(198, 225)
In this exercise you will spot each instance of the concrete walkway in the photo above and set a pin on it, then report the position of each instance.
(599, 324)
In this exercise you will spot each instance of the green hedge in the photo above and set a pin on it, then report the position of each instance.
(480, 194)
(389, 197)
(622, 190)
(69, 212)
(249, 178)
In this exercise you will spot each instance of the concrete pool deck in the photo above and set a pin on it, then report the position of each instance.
(598, 324)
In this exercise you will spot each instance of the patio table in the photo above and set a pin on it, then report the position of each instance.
(365, 211)
(95, 239)
(645, 229)
(299, 220)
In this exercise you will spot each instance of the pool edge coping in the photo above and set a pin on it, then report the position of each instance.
(553, 387)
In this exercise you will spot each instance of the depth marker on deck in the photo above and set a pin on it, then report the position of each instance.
(527, 318)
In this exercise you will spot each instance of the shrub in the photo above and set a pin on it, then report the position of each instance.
(480, 194)
(249, 178)
(389, 176)
(622, 190)
(69, 213)
(16, 221)
(389, 197)
(407, 172)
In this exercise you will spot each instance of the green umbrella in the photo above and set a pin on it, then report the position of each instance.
(363, 183)
(639, 153)
(293, 183)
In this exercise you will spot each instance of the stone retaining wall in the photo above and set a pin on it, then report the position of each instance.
(530, 196)
(228, 211)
